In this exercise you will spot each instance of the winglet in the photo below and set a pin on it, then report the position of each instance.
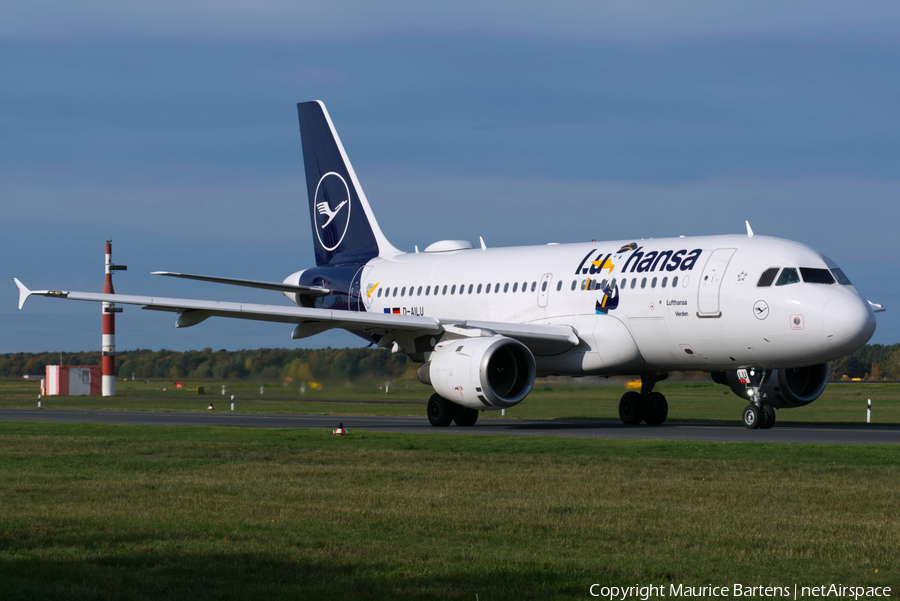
(877, 308)
(24, 292)
(749, 230)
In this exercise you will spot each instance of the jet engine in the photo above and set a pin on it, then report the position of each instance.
(792, 387)
(481, 373)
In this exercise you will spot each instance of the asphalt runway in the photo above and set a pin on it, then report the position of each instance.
(714, 432)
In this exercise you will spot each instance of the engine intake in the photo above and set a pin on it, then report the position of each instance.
(791, 387)
(481, 373)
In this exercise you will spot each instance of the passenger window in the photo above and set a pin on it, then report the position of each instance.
(624, 283)
(812, 275)
(379, 293)
(544, 286)
(395, 291)
(478, 290)
(444, 291)
(506, 287)
(559, 285)
(428, 291)
(533, 286)
(403, 291)
(767, 277)
(470, 288)
(653, 283)
(788, 276)
(574, 284)
(515, 286)
(675, 282)
(644, 283)
(840, 277)
(664, 281)
(603, 285)
(496, 287)
(419, 291)
(453, 290)
(633, 283)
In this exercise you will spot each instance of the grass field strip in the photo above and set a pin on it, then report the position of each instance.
(96, 511)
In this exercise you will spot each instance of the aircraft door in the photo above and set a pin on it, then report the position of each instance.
(355, 296)
(544, 289)
(711, 282)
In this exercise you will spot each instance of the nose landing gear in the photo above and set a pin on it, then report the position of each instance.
(646, 405)
(756, 414)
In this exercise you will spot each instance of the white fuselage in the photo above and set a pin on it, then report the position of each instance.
(683, 303)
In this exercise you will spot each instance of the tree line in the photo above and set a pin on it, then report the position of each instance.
(260, 364)
(872, 362)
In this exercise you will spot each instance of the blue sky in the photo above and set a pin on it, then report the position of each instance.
(171, 128)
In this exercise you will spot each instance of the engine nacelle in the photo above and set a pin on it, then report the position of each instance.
(792, 387)
(481, 373)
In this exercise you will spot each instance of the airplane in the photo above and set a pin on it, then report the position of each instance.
(763, 315)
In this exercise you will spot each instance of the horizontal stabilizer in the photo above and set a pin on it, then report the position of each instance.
(280, 287)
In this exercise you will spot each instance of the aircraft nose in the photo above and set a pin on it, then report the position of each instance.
(848, 321)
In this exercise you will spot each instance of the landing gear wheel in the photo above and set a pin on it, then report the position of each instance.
(441, 411)
(752, 417)
(630, 410)
(656, 409)
(466, 417)
(769, 412)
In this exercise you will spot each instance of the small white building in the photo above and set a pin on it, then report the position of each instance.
(67, 380)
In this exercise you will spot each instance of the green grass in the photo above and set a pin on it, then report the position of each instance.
(688, 400)
(142, 512)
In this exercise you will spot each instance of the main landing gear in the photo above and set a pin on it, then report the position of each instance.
(646, 405)
(441, 412)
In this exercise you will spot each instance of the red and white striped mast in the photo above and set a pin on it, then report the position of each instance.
(108, 359)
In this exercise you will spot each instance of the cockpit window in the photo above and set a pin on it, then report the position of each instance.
(767, 277)
(788, 276)
(840, 277)
(812, 275)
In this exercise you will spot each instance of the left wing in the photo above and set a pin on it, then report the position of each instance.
(280, 287)
(542, 339)
(193, 312)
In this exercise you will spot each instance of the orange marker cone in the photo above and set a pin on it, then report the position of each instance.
(210, 406)
(340, 430)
